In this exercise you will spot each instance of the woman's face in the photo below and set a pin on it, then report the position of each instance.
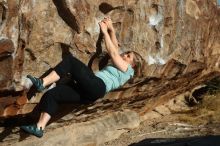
(128, 57)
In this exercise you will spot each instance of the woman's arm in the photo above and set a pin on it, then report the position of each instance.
(113, 37)
(112, 49)
(111, 29)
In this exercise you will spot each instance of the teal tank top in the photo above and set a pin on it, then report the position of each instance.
(113, 77)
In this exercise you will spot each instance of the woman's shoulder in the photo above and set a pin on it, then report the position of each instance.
(129, 71)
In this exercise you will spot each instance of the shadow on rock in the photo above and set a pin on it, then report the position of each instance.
(192, 141)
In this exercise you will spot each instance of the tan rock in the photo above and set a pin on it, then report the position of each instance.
(179, 41)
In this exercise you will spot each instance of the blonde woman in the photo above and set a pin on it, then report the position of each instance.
(89, 85)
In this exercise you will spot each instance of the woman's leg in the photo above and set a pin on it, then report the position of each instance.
(84, 77)
(49, 105)
(50, 101)
(50, 78)
(79, 72)
(43, 120)
(40, 84)
(69, 65)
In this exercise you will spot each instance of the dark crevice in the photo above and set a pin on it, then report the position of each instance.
(214, 84)
(10, 93)
(4, 55)
(2, 12)
(31, 54)
(154, 28)
(130, 11)
(105, 7)
(66, 15)
(198, 93)
(208, 140)
(157, 44)
(155, 6)
(65, 49)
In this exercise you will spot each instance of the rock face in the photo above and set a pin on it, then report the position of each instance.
(34, 33)
(179, 41)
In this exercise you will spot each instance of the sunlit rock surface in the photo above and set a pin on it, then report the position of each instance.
(179, 41)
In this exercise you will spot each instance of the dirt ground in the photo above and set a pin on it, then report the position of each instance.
(203, 120)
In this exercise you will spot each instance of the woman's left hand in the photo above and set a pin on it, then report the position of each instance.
(103, 27)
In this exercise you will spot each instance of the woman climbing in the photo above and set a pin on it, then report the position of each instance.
(89, 85)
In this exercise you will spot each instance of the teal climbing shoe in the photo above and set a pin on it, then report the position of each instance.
(32, 129)
(38, 83)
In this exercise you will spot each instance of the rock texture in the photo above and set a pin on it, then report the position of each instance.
(179, 41)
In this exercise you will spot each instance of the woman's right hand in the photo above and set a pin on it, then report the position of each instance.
(108, 22)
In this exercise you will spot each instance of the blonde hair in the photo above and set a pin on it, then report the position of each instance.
(139, 66)
(138, 63)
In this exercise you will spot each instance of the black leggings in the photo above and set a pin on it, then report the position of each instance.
(88, 86)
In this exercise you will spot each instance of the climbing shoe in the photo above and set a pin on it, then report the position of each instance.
(38, 83)
(32, 129)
